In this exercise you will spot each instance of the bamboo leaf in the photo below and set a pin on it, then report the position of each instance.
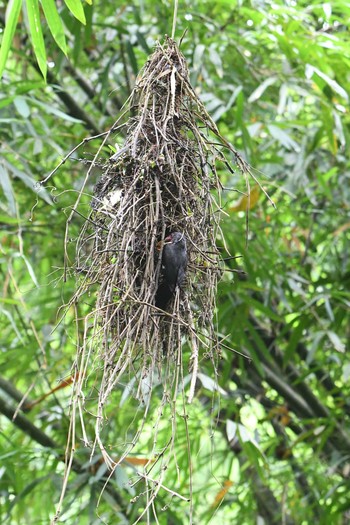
(27, 490)
(283, 138)
(28, 181)
(210, 384)
(333, 84)
(336, 342)
(258, 92)
(132, 57)
(5, 182)
(55, 23)
(12, 14)
(216, 61)
(30, 271)
(36, 34)
(76, 8)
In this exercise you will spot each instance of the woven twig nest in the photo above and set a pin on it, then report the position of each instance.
(160, 181)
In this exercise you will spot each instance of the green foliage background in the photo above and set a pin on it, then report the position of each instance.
(275, 78)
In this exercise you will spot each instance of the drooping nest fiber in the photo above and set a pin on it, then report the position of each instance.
(160, 181)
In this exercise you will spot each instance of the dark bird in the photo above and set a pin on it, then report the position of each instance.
(174, 262)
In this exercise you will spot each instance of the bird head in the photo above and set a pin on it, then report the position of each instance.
(174, 238)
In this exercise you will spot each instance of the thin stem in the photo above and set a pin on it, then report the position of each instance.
(176, 3)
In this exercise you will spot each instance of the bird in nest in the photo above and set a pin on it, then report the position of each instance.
(174, 263)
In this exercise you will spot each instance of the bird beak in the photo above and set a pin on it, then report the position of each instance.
(160, 244)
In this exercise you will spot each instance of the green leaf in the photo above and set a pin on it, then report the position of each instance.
(296, 332)
(12, 322)
(309, 72)
(5, 182)
(198, 56)
(258, 340)
(346, 371)
(258, 92)
(29, 182)
(6, 220)
(12, 14)
(9, 301)
(50, 109)
(27, 490)
(250, 445)
(264, 309)
(256, 457)
(6, 101)
(36, 34)
(30, 271)
(283, 138)
(336, 342)
(76, 8)
(78, 41)
(89, 29)
(55, 24)
(215, 59)
(210, 384)
(142, 41)
(22, 107)
(132, 57)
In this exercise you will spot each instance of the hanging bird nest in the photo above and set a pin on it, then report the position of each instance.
(162, 180)
(160, 184)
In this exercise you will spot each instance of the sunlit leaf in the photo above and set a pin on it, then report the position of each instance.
(76, 8)
(311, 70)
(12, 13)
(210, 384)
(55, 23)
(36, 34)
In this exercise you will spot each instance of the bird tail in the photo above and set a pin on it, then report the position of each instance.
(163, 296)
